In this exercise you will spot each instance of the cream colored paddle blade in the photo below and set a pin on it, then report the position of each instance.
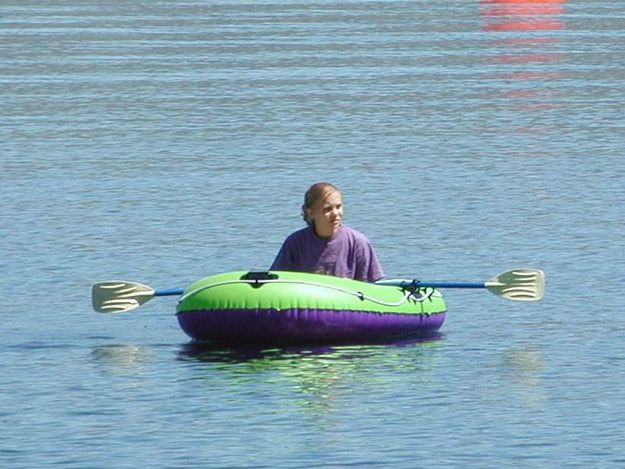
(518, 285)
(118, 296)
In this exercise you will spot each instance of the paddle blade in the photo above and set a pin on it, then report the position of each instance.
(119, 296)
(518, 285)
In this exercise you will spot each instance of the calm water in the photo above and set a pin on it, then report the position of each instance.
(163, 141)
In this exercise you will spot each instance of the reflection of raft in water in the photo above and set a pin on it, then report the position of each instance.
(300, 308)
(294, 307)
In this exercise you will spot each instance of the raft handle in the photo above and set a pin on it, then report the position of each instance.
(259, 277)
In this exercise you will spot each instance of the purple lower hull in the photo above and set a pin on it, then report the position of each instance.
(306, 326)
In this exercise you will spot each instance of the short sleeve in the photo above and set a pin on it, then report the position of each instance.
(374, 271)
(368, 266)
(284, 259)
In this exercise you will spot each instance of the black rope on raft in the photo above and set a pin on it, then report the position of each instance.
(414, 288)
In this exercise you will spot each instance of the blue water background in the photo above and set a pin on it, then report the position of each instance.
(164, 141)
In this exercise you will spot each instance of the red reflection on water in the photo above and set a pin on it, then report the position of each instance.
(534, 25)
(528, 57)
(526, 15)
(523, 1)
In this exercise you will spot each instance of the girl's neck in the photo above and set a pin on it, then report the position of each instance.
(325, 236)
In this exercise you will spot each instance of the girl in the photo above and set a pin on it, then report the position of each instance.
(326, 245)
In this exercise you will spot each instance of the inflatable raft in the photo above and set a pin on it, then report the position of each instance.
(300, 308)
(296, 308)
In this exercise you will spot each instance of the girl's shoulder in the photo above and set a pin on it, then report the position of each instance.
(300, 235)
(355, 234)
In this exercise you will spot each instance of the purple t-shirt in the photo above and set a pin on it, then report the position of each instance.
(348, 253)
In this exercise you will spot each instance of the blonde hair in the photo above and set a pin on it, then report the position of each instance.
(315, 194)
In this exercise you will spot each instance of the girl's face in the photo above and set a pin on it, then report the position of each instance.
(326, 216)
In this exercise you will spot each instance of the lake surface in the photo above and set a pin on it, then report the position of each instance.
(164, 141)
